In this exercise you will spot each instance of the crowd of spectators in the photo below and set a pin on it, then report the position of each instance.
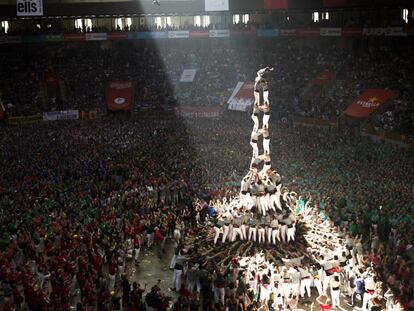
(88, 196)
(156, 67)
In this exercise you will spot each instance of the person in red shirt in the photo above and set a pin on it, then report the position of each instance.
(185, 293)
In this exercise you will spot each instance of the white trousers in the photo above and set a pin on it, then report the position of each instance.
(277, 200)
(256, 98)
(150, 239)
(275, 235)
(305, 285)
(261, 234)
(266, 145)
(266, 118)
(283, 233)
(262, 204)
(318, 285)
(136, 250)
(255, 149)
(269, 234)
(255, 119)
(335, 298)
(296, 288)
(367, 297)
(226, 230)
(252, 234)
(237, 232)
(266, 97)
(290, 234)
(218, 231)
(111, 281)
(176, 283)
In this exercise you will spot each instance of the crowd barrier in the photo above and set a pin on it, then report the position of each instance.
(215, 33)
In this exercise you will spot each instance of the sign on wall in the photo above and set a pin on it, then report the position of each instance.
(216, 5)
(188, 75)
(29, 7)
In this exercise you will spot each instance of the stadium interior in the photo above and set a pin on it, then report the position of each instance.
(206, 155)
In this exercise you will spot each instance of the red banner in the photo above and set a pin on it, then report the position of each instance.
(309, 32)
(119, 95)
(275, 4)
(51, 78)
(74, 37)
(2, 111)
(288, 32)
(198, 112)
(335, 3)
(323, 78)
(352, 32)
(368, 102)
(242, 97)
(117, 35)
(198, 34)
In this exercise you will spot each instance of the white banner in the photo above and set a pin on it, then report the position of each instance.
(395, 31)
(97, 36)
(373, 31)
(334, 32)
(188, 75)
(216, 5)
(219, 33)
(178, 34)
(29, 7)
(61, 115)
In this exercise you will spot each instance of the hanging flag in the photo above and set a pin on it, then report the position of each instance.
(2, 111)
(242, 97)
(119, 95)
(368, 102)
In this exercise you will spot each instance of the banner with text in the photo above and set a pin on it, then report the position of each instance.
(219, 33)
(96, 36)
(198, 112)
(29, 7)
(242, 97)
(119, 95)
(61, 115)
(188, 75)
(368, 102)
(179, 34)
(216, 5)
(331, 32)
